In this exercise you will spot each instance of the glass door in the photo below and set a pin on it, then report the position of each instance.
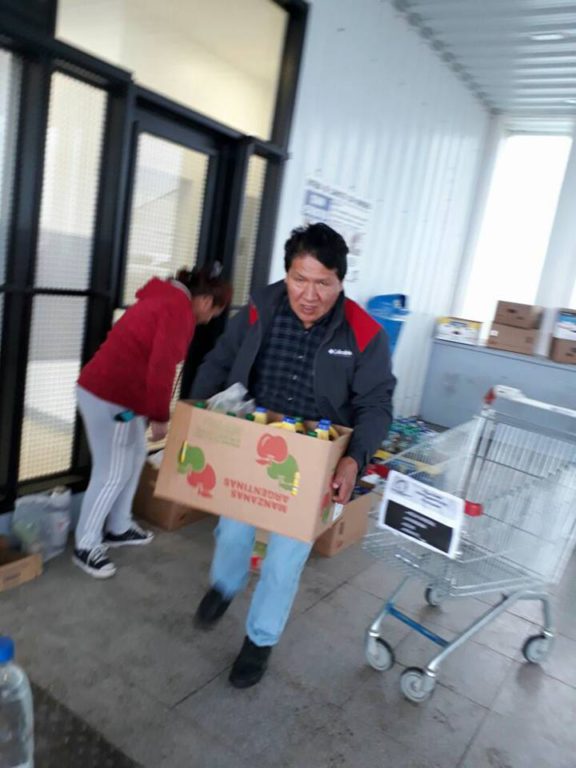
(171, 203)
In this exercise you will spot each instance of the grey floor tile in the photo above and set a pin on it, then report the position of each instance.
(438, 731)
(380, 579)
(343, 566)
(168, 665)
(472, 670)
(561, 663)
(505, 743)
(566, 623)
(266, 720)
(323, 650)
(540, 704)
(341, 744)
(507, 635)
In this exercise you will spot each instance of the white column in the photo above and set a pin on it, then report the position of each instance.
(490, 152)
(559, 272)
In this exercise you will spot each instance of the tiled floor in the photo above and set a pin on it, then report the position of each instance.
(125, 656)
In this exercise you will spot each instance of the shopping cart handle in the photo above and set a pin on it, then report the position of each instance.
(500, 391)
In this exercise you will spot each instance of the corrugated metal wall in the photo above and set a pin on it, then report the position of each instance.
(379, 115)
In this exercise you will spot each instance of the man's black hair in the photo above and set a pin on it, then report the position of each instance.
(320, 241)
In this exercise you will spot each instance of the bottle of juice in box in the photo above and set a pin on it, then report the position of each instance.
(260, 415)
(323, 430)
(300, 425)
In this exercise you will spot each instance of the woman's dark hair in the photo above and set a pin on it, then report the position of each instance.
(206, 281)
(320, 241)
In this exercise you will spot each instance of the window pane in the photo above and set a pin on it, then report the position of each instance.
(9, 95)
(166, 211)
(70, 186)
(244, 261)
(517, 223)
(57, 335)
(221, 57)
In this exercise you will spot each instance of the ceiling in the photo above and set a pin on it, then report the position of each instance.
(517, 56)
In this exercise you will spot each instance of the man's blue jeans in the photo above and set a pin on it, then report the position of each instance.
(279, 578)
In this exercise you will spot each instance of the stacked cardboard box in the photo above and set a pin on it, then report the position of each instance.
(563, 349)
(515, 327)
(168, 515)
(349, 528)
(458, 329)
(17, 567)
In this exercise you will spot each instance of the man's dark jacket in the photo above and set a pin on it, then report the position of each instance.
(353, 378)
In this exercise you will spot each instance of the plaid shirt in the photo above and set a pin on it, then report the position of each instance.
(284, 371)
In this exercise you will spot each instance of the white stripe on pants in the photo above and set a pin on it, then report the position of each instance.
(118, 454)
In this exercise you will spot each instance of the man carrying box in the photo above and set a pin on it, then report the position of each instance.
(301, 349)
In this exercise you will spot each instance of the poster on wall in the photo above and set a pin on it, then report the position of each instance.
(342, 211)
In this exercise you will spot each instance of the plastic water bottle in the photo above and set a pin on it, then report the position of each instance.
(16, 714)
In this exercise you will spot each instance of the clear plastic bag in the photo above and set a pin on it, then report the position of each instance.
(41, 522)
(232, 400)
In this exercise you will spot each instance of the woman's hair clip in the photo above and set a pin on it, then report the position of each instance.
(216, 269)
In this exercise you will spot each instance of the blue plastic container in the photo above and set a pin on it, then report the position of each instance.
(390, 311)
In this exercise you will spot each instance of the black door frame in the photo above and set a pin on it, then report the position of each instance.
(42, 55)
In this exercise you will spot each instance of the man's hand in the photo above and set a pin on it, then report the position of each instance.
(344, 480)
(159, 430)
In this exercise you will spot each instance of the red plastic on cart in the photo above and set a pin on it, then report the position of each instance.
(473, 509)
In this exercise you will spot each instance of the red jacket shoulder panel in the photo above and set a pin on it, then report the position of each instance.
(364, 327)
(253, 315)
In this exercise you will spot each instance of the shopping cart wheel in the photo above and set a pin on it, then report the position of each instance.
(416, 685)
(379, 654)
(434, 596)
(537, 648)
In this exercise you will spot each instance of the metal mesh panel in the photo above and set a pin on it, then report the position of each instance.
(70, 186)
(166, 211)
(50, 401)
(246, 248)
(9, 94)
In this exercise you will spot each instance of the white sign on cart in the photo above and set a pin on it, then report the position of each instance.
(422, 513)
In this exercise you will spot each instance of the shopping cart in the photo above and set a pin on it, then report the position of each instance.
(508, 482)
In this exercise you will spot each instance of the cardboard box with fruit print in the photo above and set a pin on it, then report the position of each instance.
(277, 480)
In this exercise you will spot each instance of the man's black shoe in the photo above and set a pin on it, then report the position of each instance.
(250, 664)
(212, 607)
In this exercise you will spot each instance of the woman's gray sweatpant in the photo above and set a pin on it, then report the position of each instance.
(118, 454)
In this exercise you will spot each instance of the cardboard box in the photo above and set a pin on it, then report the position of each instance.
(458, 329)
(518, 315)
(510, 339)
(565, 326)
(274, 479)
(17, 568)
(563, 351)
(167, 515)
(350, 528)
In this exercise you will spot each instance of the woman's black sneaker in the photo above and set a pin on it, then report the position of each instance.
(134, 536)
(94, 562)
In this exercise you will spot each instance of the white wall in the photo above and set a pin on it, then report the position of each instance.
(379, 115)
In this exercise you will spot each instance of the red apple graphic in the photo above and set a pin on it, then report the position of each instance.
(271, 448)
(326, 500)
(204, 481)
